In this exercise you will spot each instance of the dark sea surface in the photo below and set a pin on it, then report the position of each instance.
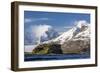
(28, 57)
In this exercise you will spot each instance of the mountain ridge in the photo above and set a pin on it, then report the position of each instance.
(75, 40)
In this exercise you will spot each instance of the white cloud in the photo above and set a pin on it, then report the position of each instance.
(28, 20)
(68, 27)
(39, 30)
(34, 19)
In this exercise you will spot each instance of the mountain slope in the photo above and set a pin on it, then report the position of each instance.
(75, 40)
(80, 31)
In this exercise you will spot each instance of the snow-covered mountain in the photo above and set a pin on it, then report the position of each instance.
(80, 32)
(74, 41)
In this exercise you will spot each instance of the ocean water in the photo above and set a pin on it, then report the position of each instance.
(28, 57)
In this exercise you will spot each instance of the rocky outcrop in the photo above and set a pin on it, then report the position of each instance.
(48, 49)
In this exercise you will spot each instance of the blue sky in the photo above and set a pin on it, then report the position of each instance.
(57, 20)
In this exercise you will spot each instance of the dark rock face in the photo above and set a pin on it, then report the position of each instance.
(55, 49)
(77, 46)
(48, 49)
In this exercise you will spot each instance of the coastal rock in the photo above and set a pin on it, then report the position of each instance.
(48, 49)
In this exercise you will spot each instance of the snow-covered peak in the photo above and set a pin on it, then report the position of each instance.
(66, 36)
(81, 23)
(80, 30)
